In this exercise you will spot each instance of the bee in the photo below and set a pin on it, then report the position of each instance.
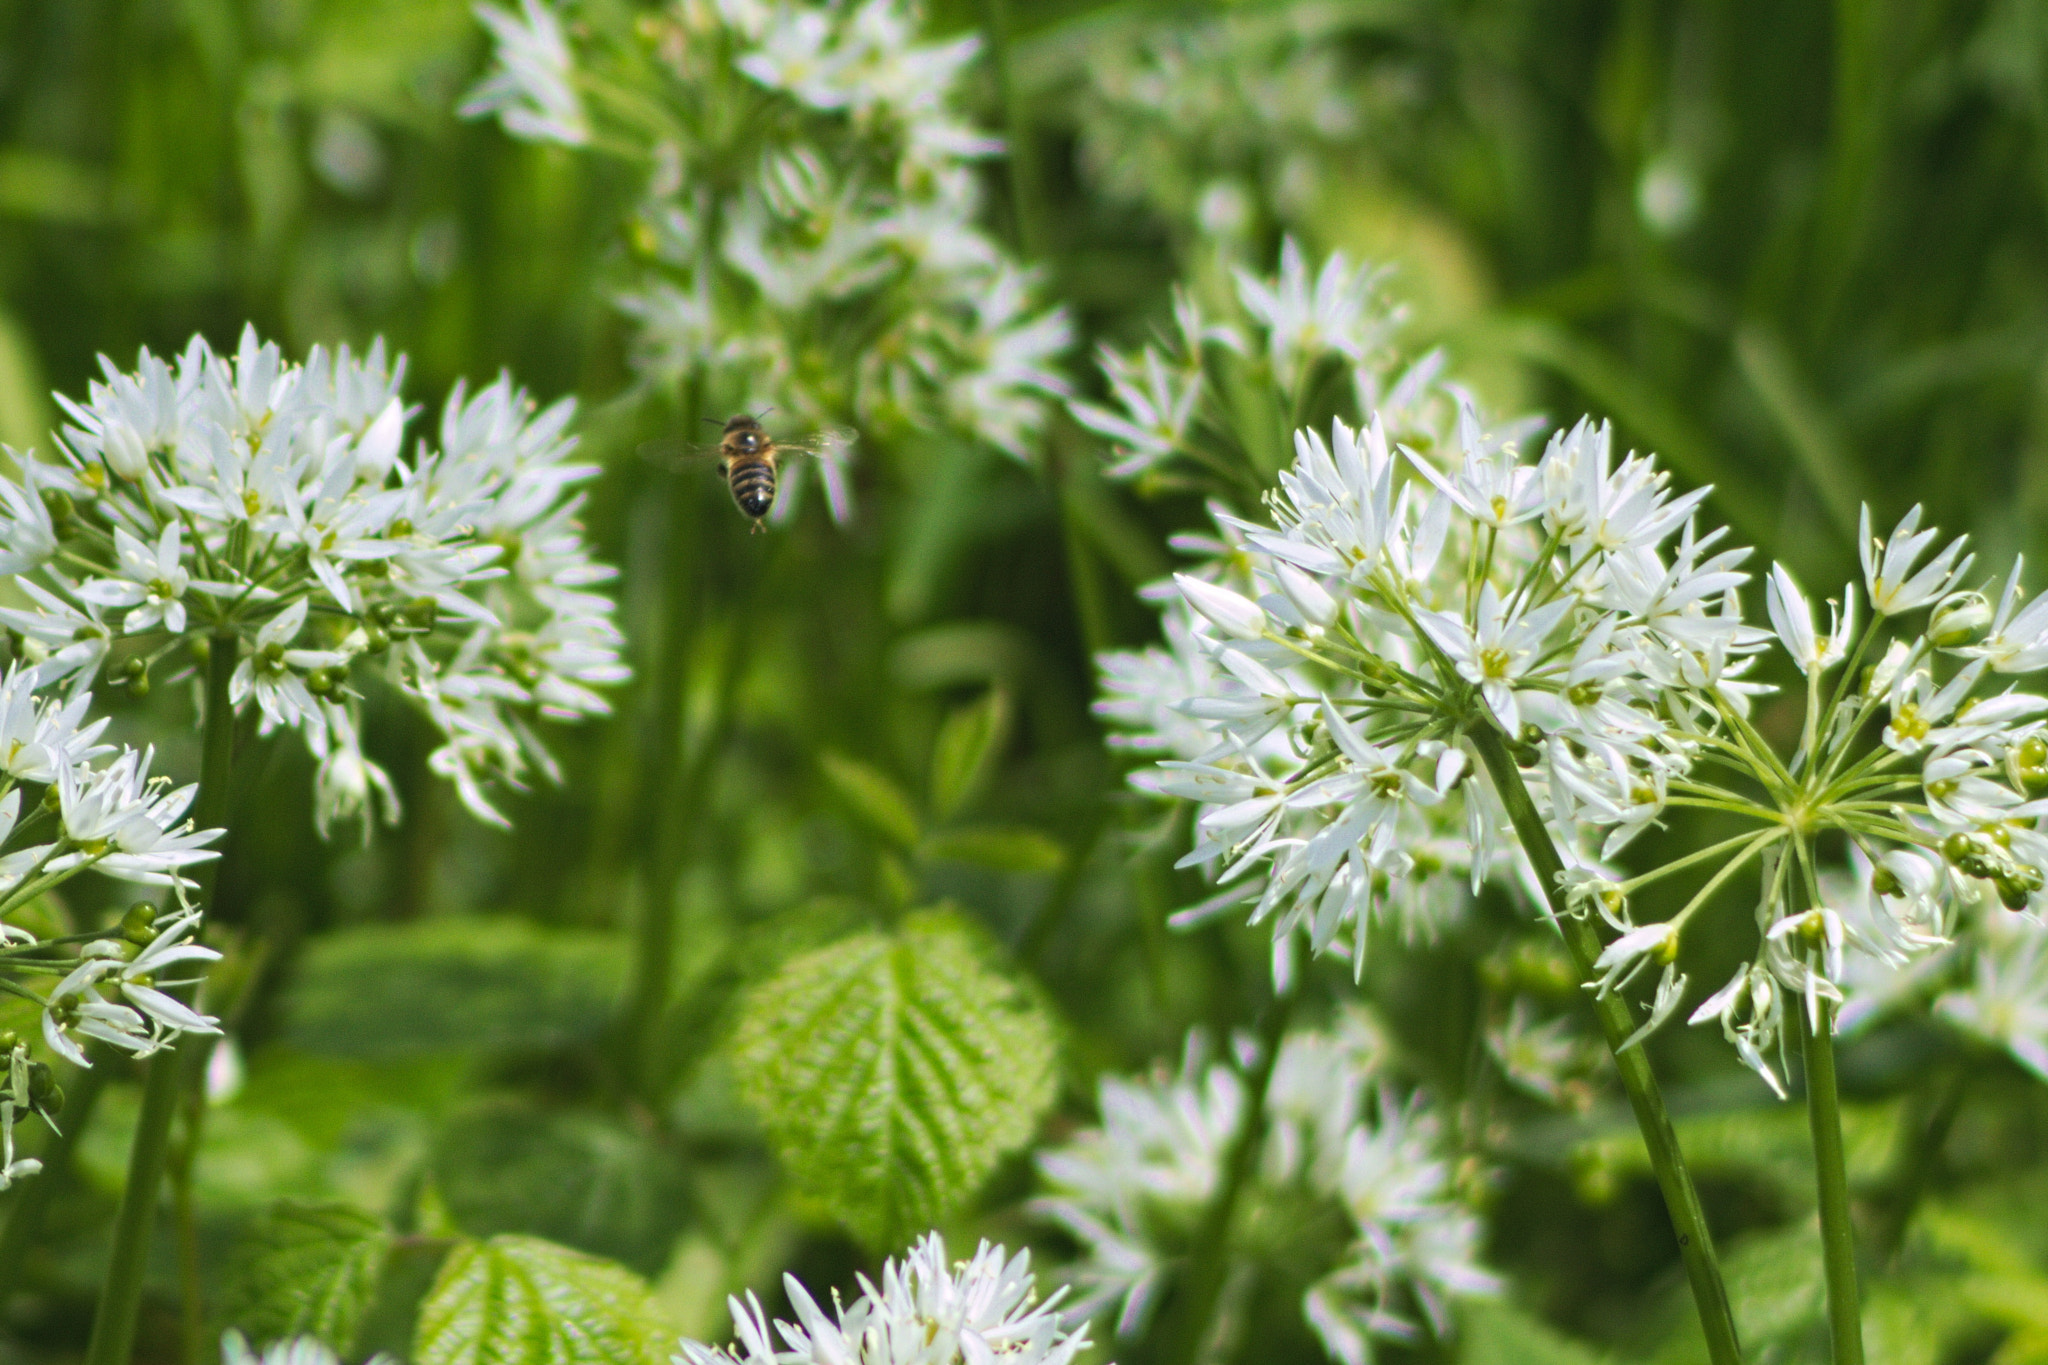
(748, 458)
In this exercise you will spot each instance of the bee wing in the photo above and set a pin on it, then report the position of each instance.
(673, 452)
(834, 449)
(832, 441)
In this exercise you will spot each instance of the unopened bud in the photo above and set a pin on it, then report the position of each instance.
(1232, 613)
(1309, 597)
(1958, 617)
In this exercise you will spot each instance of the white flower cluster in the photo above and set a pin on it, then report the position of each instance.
(71, 804)
(1209, 118)
(235, 1350)
(841, 274)
(1322, 710)
(1168, 417)
(1132, 1190)
(247, 502)
(928, 1311)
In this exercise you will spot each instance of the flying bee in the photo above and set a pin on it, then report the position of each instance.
(748, 460)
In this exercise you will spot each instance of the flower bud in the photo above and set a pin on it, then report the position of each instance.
(122, 446)
(1308, 596)
(1957, 618)
(1232, 613)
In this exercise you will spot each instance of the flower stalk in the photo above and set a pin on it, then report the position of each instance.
(1186, 1332)
(113, 1327)
(1617, 1025)
(1837, 1232)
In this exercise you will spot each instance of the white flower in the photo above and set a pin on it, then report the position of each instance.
(1498, 650)
(2006, 1002)
(1751, 1012)
(28, 538)
(2017, 641)
(1888, 565)
(1306, 320)
(533, 91)
(926, 1312)
(152, 582)
(1492, 486)
(1792, 619)
(253, 500)
(1158, 399)
(1131, 1190)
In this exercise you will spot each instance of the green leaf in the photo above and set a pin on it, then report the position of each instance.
(453, 985)
(893, 1070)
(967, 747)
(873, 797)
(524, 1301)
(997, 847)
(1497, 1333)
(307, 1269)
(583, 1180)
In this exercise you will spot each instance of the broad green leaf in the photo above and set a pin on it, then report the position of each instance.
(968, 745)
(524, 1301)
(306, 1269)
(583, 1180)
(1492, 1332)
(873, 797)
(1771, 1142)
(997, 847)
(453, 985)
(893, 1070)
(1777, 1288)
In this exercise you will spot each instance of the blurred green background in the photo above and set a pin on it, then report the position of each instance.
(1799, 250)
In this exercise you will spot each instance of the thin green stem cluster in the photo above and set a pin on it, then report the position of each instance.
(113, 1328)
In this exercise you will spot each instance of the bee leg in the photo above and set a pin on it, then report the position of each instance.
(759, 527)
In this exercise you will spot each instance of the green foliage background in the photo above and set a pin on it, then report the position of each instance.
(1799, 250)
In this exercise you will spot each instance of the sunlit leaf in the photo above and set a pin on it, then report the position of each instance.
(893, 1070)
(523, 1301)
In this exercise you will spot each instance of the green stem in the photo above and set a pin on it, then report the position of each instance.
(1837, 1233)
(662, 836)
(82, 1086)
(113, 1326)
(1186, 1333)
(1617, 1023)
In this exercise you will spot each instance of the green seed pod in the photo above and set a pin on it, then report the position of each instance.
(422, 612)
(383, 613)
(1884, 881)
(41, 1082)
(202, 650)
(51, 1104)
(138, 924)
(379, 639)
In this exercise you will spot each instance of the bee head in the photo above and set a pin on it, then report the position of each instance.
(744, 433)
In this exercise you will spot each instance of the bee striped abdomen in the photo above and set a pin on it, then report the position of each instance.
(753, 487)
